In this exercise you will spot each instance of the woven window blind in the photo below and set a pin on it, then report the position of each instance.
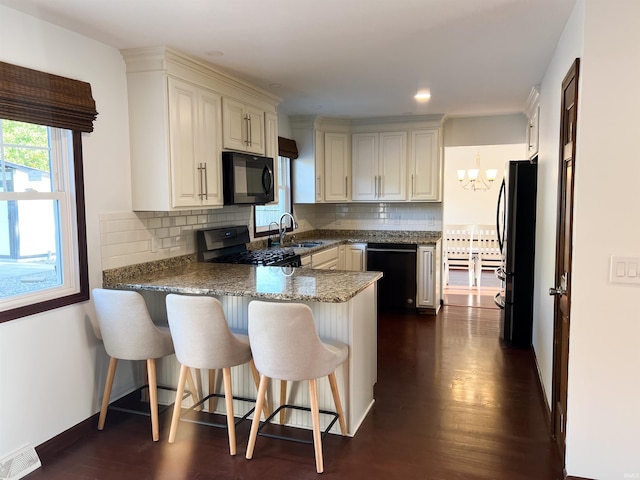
(287, 148)
(28, 95)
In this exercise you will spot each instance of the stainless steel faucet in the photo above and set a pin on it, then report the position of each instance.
(283, 229)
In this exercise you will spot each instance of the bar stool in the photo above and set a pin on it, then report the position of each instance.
(286, 346)
(129, 333)
(203, 341)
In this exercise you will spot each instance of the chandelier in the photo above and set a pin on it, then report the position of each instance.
(475, 179)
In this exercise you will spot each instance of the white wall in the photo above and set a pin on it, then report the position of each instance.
(568, 49)
(462, 206)
(604, 385)
(604, 364)
(51, 365)
(487, 130)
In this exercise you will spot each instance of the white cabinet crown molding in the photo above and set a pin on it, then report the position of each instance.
(201, 73)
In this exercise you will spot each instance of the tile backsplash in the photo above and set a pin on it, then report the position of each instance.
(371, 216)
(129, 238)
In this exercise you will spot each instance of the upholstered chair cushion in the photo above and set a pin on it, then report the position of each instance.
(286, 345)
(201, 335)
(127, 330)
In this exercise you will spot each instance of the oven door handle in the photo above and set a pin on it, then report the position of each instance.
(398, 250)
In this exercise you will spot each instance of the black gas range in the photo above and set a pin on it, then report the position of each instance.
(229, 245)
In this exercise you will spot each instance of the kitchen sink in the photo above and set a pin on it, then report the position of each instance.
(305, 244)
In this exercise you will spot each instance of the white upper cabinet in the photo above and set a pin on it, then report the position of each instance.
(425, 166)
(176, 128)
(321, 173)
(379, 166)
(533, 116)
(194, 126)
(336, 167)
(388, 160)
(243, 127)
(271, 148)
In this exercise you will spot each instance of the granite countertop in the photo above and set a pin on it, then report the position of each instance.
(328, 238)
(278, 283)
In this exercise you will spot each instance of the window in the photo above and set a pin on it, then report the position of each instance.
(266, 217)
(43, 253)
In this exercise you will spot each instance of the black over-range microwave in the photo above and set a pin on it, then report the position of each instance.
(247, 179)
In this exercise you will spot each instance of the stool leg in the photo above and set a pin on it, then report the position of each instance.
(177, 406)
(336, 400)
(153, 398)
(195, 387)
(111, 373)
(256, 379)
(212, 390)
(315, 420)
(283, 399)
(262, 389)
(228, 397)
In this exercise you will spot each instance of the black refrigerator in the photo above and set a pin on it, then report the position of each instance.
(516, 218)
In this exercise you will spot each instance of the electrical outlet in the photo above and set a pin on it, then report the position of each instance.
(431, 221)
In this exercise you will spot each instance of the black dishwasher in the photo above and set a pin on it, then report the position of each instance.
(397, 261)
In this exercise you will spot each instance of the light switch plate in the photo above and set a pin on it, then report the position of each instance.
(624, 270)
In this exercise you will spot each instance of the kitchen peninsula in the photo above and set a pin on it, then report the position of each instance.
(343, 304)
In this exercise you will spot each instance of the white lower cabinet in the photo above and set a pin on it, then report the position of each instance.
(355, 257)
(325, 259)
(429, 276)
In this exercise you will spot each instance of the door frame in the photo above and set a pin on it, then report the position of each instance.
(563, 266)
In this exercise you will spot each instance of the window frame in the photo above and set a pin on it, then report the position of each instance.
(289, 192)
(78, 254)
(33, 96)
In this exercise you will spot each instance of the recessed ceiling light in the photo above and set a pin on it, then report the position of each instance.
(215, 53)
(422, 95)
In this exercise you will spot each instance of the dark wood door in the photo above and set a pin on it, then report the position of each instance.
(564, 232)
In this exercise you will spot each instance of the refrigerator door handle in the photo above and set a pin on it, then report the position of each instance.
(498, 299)
(501, 194)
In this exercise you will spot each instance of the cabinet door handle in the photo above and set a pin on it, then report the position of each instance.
(206, 182)
(200, 174)
(346, 186)
(380, 187)
(247, 122)
(318, 187)
(413, 183)
(249, 132)
(375, 186)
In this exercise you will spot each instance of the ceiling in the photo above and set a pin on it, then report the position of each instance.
(344, 58)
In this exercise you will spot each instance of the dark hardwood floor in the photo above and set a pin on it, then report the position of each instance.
(452, 403)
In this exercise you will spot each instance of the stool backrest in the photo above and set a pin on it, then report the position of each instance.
(127, 330)
(285, 343)
(201, 335)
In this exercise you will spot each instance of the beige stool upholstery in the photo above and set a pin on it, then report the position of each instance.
(203, 340)
(129, 333)
(286, 346)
